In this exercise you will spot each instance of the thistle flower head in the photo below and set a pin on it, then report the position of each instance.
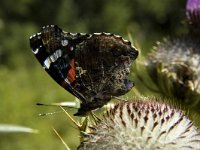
(193, 15)
(193, 10)
(142, 125)
(174, 66)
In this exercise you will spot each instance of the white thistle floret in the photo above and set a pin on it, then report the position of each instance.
(142, 125)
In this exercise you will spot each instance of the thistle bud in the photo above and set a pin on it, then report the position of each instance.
(140, 125)
(174, 66)
(193, 15)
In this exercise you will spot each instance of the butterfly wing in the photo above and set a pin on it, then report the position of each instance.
(102, 63)
(93, 67)
(55, 52)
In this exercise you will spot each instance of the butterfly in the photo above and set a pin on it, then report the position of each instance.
(92, 67)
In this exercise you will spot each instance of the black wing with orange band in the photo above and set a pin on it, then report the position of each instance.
(55, 52)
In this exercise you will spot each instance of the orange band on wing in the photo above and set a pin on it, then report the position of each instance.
(71, 74)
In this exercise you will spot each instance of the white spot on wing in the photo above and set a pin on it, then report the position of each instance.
(32, 36)
(47, 63)
(83, 34)
(97, 33)
(71, 48)
(57, 54)
(125, 40)
(67, 81)
(64, 42)
(106, 33)
(36, 51)
(73, 34)
(117, 36)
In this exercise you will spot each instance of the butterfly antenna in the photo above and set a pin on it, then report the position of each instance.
(73, 104)
(66, 146)
(50, 113)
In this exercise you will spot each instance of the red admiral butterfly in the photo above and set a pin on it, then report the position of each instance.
(92, 67)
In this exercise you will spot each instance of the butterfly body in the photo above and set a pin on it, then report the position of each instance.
(92, 67)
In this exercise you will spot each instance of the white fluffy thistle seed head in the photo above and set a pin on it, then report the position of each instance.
(139, 125)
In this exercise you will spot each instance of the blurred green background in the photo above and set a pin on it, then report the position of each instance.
(23, 82)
